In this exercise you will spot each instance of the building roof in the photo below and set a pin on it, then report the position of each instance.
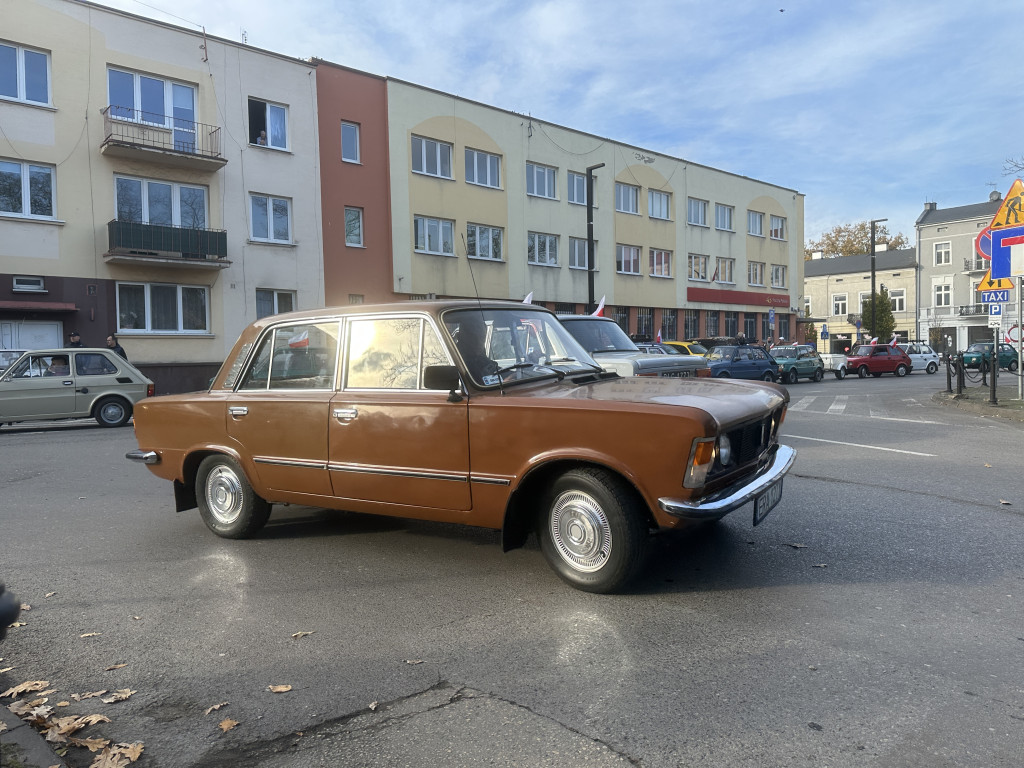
(861, 262)
(932, 215)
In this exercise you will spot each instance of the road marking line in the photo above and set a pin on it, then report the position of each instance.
(912, 421)
(859, 445)
(839, 405)
(802, 403)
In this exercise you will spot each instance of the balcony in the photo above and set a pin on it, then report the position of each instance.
(162, 139)
(976, 265)
(970, 310)
(132, 242)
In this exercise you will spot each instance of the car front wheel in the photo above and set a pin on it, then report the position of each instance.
(767, 376)
(593, 532)
(841, 373)
(227, 502)
(901, 370)
(791, 376)
(112, 412)
(1012, 367)
(863, 371)
(932, 367)
(819, 374)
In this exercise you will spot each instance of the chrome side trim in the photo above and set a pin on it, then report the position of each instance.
(145, 457)
(421, 474)
(726, 500)
(489, 480)
(280, 462)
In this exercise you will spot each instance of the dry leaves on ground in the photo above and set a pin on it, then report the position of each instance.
(114, 666)
(215, 707)
(227, 724)
(118, 756)
(279, 688)
(301, 634)
(28, 685)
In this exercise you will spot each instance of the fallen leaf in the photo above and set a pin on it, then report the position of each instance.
(117, 756)
(115, 666)
(93, 744)
(414, 661)
(374, 705)
(91, 634)
(29, 685)
(82, 696)
(227, 724)
(63, 703)
(279, 688)
(3, 726)
(301, 634)
(26, 607)
(120, 695)
(989, 466)
(1003, 501)
(820, 565)
(136, 618)
(19, 624)
(93, 719)
(798, 546)
(49, 594)
(6, 669)
(215, 707)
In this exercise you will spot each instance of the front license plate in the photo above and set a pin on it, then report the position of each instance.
(766, 501)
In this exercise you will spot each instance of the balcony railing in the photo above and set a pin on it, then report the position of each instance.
(135, 241)
(976, 265)
(969, 310)
(165, 138)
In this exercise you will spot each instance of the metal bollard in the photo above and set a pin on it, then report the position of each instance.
(959, 373)
(949, 372)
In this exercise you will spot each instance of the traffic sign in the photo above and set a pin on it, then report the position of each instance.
(995, 310)
(994, 322)
(1007, 234)
(989, 284)
(995, 297)
(771, 316)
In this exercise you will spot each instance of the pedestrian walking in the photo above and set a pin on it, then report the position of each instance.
(112, 343)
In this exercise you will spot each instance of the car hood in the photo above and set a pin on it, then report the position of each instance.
(652, 363)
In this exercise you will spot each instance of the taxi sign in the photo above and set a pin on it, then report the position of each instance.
(994, 297)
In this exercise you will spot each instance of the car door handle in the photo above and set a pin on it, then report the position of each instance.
(345, 414)
(237, 410)
(68, 383)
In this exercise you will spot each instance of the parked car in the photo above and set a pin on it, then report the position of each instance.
(658, 348)
(876, 359)
(835, 363)
(484, 413)
(49, 384)
(688, 347)
(743, 361)
(609, 345)
(798, 361)
(923, 357)
(10, 609)
(979, 355)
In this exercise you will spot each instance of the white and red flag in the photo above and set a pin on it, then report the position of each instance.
(659, 336)
(299, 340)
(892, 343)
(529, 298)
(599, 312)
(874, 341)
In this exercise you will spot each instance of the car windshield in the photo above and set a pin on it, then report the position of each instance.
(598, 335)
(980, 348)
(698, 349)
(862, 350)
(721, 353)
(668, 349)
(783, 352)
(502, 346)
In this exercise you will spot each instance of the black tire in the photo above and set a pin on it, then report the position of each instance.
(841, 374)
(1012, 367)
(228, 504)
(932, 367)
(592, 530)
(901, 370)
(767, 376)
(112, 412)
(791, 376)
(724, 375)
(819, 374)
(863, 371)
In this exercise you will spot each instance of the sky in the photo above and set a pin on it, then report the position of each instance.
(869, 108)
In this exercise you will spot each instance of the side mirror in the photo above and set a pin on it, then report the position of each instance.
(441, 377)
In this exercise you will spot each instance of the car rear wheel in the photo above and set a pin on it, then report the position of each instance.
(791, 376)
(767, 376)
(863, 371)
(228, 504)
(932, 367)
(901, 370)
(841, 373)
(819, 374)
(112, 412)
(593, 532)
(1012, 367)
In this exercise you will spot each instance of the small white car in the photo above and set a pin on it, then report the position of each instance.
(923, 356)
(73, 383)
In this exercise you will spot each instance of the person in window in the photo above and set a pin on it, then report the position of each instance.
(114, 344)
(74, 340)
(262, 139)
(471, 341)
(58, 366)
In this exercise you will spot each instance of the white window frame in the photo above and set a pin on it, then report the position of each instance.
(482, 233)
(898, 299)
(166, 120)
(659, 205)
(422, 148)
(779, 275)
(578, 253)
(271, 200)
(541, 180)
(472, 158)
(576, 188)
(272, 142)
(943, 295)
(357, 214)
(275, 296)
(725, 268)
(660, 263)
(840, 304)
(25, 170)
(696, 212)
(697, 266)
(535, 241)
(807, 306)
(148, 329)
(755, 223)
(627, 259)
(627, 198)
(20, 75)
(176, 188)
(777, 227)
(424, 224)
(351, 151)
(755, 273)
(724, 217)
(943, 254)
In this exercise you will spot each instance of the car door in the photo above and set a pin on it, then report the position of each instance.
(39, 387)
(277, 416)
(882, 361)
(392, 440)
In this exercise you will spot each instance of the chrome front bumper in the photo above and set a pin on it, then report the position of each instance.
(726, 500)
(145, 457)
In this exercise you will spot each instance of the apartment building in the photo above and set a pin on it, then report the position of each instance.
(951, 312)
(490, 203)
(154, 182)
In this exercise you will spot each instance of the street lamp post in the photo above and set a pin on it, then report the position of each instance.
(590, 236)
(874, 328)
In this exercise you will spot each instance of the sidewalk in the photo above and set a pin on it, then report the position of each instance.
(21, 745)
(975, 398)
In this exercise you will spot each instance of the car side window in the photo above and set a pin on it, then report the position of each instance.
(391, 353)
(299, 356)
(92, 364)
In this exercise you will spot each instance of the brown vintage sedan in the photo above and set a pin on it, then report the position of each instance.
(482, 413)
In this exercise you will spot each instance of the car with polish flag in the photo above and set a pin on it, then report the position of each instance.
(875, 359)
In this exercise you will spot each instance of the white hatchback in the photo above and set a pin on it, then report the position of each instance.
(923, 356)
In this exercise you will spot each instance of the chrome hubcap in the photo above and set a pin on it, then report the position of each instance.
(224, 495)
(112, 412)
(580, 531)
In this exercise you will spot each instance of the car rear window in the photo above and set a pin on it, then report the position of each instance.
(93, 364)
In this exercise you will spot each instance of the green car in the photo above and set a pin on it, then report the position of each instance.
(979, 355)
(797, 361)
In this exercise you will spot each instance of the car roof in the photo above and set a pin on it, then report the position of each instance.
(430, 307)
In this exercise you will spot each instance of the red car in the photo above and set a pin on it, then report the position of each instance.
(877, 359)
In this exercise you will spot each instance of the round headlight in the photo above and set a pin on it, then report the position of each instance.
(724, 450)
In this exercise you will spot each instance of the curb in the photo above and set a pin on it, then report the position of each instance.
(975, 400)
(21, 745)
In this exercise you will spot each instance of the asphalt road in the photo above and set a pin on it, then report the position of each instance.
(874, 619)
